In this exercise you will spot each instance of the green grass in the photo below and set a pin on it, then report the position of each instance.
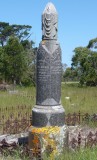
(81, 99)
(9, 103)
(82, 154)
(21, 98)
(16, 154)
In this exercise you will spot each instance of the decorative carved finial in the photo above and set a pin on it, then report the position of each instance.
(49, 22)
(50, 8)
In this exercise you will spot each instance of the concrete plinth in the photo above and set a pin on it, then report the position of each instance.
(49, 140)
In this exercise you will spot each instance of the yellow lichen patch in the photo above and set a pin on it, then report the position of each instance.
(35, 139)
(46, 138)
(45, 130)
(43, 42)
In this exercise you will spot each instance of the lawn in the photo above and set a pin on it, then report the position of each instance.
(82, 154)
(73, 98)
(21, 96)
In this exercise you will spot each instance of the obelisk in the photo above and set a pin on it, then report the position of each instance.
(48, 112)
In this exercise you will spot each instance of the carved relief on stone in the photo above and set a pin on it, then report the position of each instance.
(49, 22)
(49, 71)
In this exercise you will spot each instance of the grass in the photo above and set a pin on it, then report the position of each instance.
(82, 154)
(14, 154)
(80, 99)
(17, 105)
(25, 96)
(79, 154)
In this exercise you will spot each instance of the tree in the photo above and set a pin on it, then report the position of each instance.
(70, 74)
(92, 44)
(30, 74)
(14, 60)
(1, 64)
(85, 62)
(21, 31)
(17, 54)
(7, 30)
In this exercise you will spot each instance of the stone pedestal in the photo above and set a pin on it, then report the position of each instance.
(48, 116)
(49, 140)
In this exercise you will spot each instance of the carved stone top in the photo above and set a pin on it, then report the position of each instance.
(49, 22)
(50, 8)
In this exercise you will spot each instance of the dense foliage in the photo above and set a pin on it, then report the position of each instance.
(84, 65)
(18, 58)
(17, 54)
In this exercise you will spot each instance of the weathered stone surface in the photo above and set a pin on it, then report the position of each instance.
(73, 132)
(48, 110)
(49, 22)
(49, 69)
(52, 137)
(48, 116)
(16, 138)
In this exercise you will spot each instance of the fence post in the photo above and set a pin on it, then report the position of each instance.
(79, 140)
(79, 117)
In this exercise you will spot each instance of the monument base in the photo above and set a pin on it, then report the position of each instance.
(49, 140)
(48, 116)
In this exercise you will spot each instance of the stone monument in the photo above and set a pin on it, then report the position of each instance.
(48, 114)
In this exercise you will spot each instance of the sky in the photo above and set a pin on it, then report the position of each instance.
(77, 21)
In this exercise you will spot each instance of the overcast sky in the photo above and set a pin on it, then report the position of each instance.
(77, 21)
